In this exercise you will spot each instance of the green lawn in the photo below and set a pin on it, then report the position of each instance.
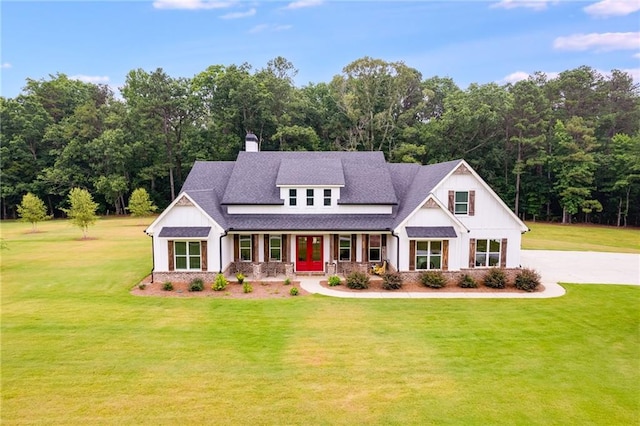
(549, 236)
(78, 349)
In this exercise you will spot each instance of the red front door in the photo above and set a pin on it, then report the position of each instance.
(309, 253)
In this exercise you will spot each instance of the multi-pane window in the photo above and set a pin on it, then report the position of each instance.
(461, 203)
(245, 248)
(293, 197)
(375, 248)
(275, 248)
(428, 254)
(187, 255)
(327, 197)
(487, 253)
(309, 197)
(345, 248)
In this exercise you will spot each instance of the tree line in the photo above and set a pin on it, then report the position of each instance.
(565, 148)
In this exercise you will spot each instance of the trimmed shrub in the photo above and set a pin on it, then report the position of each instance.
(527, 280)
(392, 281)
(495, 278)
(467, 281)
(294, 291)
(287, 281)
(142, 286)
(167, 286)
(220, 283)
(433, 279)
(246, 287)
(334, 280)
(358, 280)
(240, 277)
(196, 284)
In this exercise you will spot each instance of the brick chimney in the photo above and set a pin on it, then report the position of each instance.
(251, 143)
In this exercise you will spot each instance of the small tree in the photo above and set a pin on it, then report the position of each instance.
(32, 209)
(140, 203)
(83, 209)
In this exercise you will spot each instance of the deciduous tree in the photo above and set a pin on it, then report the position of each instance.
(33, 210)
(82, 212)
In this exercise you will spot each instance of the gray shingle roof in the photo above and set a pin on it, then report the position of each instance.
(367, 177)
(431, 232)
(184, 232)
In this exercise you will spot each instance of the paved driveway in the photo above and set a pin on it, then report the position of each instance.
(583, 267)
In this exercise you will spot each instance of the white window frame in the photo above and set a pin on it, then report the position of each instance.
(327, 197)
(341, 239)
(457, 203)
(241, 239)
(378, 247)
(187, 256)
(488, 253)
(293, 197)
(271, 248)
(429, 254)
(310, 196)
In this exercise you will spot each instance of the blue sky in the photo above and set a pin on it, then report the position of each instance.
(470, 41)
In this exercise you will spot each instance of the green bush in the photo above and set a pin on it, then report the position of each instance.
(392, 281)
(220, 283)
(142, 286)
(433, 279)
(358, 280)
(287, 281)
(196, 284)
(495, 278)
(167, 286)
(527, 280)
(294, 291)
(467, 281)
(240, 277)
(246, 287)
(334, 280)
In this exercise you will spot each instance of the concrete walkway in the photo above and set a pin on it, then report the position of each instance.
(553, 266)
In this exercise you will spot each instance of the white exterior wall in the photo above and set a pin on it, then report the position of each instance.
(186, 216)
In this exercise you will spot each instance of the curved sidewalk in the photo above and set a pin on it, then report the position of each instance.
(553, 266)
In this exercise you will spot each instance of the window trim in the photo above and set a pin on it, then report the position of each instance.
(346, 238)
(457, 203)
(271, 248)
(293, 197)
(488, 253)
(245, 238)
(310, 196)
(378, 247)
(327, 197)
(429, 255)
(187, 256)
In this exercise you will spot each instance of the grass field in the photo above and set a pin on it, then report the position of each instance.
(78, 349)
(548, 236)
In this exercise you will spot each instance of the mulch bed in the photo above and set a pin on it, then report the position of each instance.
(234, 290)
(375, 285)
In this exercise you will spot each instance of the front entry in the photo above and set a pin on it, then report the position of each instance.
(309, 253)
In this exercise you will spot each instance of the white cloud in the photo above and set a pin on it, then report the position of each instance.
(5, 65)
(606, 8)
(514, 77)
(529, 4)
(95, 79)
(637, 55)
(303, 3)
(599, 41)
(191, 4)
(270, 28)
(239, 15)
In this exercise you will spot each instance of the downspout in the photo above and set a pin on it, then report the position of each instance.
(220, 248)
(153, 257)
(397, 248)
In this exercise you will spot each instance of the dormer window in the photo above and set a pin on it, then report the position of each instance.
(309, 197)
(327, 197)
(293, 197)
